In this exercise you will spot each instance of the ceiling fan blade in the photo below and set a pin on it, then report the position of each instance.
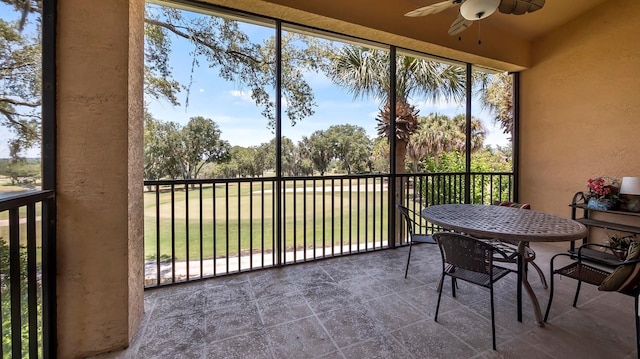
(459, 25)
(433, 9)
(519, 7)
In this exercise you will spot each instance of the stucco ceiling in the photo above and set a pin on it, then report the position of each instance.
(528, 26)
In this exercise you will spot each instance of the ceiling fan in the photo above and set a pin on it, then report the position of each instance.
(472, 10)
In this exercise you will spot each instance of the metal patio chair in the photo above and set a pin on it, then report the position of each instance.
(625, 278)
(510, 248)
(409, 217)
(469, 259)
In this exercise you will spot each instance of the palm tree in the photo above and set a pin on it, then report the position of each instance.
(365, 72)
(477, 133)
(438, 133)
(496, 93)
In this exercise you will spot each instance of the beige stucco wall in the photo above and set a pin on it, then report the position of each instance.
(580, 114)
(99, 183)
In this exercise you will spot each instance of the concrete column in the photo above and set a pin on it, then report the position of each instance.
(100, 203)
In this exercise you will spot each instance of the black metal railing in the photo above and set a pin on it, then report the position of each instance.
(27, 275)
(197, 229)
(422, 190)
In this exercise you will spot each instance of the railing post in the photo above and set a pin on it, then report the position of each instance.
(278, 111)
(467, 168)
(393, 190)
(516, 135)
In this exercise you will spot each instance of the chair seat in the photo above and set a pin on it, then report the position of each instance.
(476, 277)
(583, 272)
(423, 238)
(510, 251)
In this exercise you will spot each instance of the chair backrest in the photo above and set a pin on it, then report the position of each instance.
(512, 204)
(408, 216)
(465, 252)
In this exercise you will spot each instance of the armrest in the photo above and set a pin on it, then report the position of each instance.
(587, 245)
(629, 262)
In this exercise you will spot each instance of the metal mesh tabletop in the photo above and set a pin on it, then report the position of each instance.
(504, 222)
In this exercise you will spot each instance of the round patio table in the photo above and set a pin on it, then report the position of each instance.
(507, 223)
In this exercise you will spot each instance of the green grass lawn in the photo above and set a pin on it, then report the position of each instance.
(236, 218)
(228, 219)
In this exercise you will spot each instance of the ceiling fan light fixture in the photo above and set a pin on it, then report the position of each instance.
(478, 9)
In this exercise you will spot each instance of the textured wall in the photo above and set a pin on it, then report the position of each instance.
(580, 113)
(99, 175)
(135, 163)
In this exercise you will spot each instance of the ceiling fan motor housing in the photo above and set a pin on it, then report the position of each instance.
(478, 9)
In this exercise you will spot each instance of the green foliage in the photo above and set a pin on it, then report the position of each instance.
(618, 241)
(496, 93)
(451, 189)
(437, 134)
(181, 152)
(351, 147)
(245, 162)
(347, 144)
(318, 148)
(380, 155)
(5, 288)
(21, 171)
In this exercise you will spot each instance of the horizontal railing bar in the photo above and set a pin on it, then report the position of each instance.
(23, 199)
(302, 178)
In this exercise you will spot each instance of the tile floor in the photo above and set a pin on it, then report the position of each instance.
(361, 307)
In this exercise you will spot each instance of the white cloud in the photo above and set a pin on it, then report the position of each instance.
(201, 90)
(496, 138)
(243, 95)
(443, 106)
(316, 79)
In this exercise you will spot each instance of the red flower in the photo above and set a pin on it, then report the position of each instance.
(603, 187)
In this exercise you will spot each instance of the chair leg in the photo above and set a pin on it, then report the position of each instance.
(440, 285)
(519, 287)
(637, 326)
(408, 259)
(454, 285)
(493, 322)
(575, 299)
(546, 313)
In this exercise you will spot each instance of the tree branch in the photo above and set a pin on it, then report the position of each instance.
(198, 40)
(25, 128)
(20, 103)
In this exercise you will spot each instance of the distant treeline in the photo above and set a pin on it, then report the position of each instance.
(22, 171)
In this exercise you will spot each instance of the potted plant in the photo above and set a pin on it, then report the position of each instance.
(619, 245)
(603, 193)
